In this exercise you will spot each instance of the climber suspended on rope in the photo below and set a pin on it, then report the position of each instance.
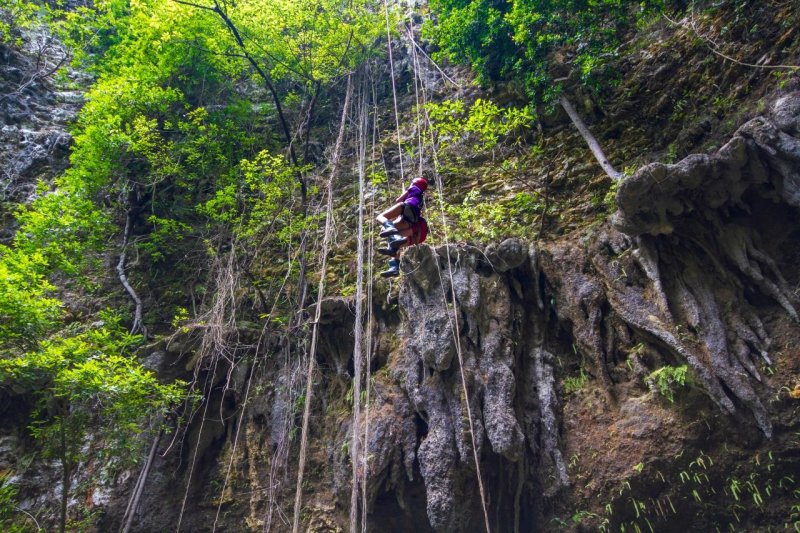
(403, 224)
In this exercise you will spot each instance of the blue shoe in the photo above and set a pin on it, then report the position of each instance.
(396, 241)
(393, 270)
(388, 229)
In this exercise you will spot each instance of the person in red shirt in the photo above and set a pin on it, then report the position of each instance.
(403, 224)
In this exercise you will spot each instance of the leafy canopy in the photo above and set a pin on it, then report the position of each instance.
(533, 41)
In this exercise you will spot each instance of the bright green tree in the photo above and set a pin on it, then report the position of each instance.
(84, 379)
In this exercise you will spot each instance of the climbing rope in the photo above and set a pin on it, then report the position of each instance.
(358, 325)
(368, 348)
(417, 91)
(454, 324)
(298, 499)
(394, 95)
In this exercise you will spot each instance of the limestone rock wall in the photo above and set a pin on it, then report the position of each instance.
(34, 117)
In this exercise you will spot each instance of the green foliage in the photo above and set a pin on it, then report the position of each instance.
(11, 519)
(476, 32)
(27, 309)
(610, 197)
(73, 373)
(479, 127)
(315, 41)
(760, 491)
(15, 16)
(573, 384)
(166, 232)
(81, 30)
(83, 378)
(179, 134)
(534, 41)
(667, 380)
(63, 229)
(482, 221)
(258, 200)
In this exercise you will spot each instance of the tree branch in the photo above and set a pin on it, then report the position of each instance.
(133, 503)
(590, 139)
(309, 119)
(264, 75)
(198, 6)
(123, 278)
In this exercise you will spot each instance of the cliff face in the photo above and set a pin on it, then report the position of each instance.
(700, 256)
(540, 358)
(34, 119)
(554, 343)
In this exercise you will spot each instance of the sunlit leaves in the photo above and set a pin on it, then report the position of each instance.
(479, 126)
(533, 41)
(475, 32)
(303, 40)
(63, 228)
(259, 200)
(27, 309)
(87, 376)
(16, 15)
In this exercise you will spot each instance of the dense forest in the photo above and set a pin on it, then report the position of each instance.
(599, 334)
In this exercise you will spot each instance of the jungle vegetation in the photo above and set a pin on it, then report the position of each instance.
(198, 153)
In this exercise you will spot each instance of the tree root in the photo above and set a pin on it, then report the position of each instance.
(137, 325)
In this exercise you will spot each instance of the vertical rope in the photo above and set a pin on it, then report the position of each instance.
(394, 96)
(298, 498)
(358, 325)
(417, 90)
(368, 348)
(454, 320)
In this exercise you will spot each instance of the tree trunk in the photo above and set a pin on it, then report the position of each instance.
(590, 139)
(139, 488)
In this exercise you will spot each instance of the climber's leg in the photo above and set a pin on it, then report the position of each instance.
(394, 226)
(397, 241)
(385, 218)
(393, 270)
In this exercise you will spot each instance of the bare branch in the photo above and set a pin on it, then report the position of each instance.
(198, 6)
(590, 139)
(123, 278)
(40, 74)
